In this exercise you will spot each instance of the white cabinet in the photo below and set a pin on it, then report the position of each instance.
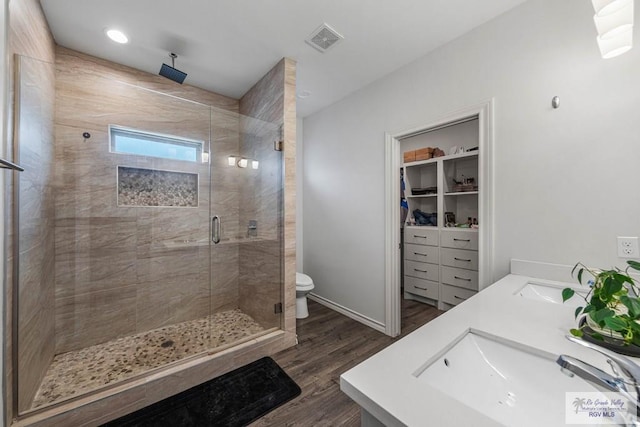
(422, 236)
(421, 253)
(460, 239)
(441, 263)
(459, 258)
(422, 288)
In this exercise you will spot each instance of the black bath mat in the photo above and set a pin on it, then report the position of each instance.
(234, 399)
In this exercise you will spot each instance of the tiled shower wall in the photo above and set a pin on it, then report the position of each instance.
(121, 270)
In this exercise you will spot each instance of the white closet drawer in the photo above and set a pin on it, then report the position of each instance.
(459, 258)
(421, 253)
(422, 270)
(424, 288)
(459, 239)
(454, 295)
(421, 235)
(459, 277)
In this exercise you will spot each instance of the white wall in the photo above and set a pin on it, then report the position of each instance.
(565, 180)
(299, 194)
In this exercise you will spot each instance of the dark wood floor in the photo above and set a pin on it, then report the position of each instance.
(330, 344)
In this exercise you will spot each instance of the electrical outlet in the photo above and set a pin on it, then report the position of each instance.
(628, 247)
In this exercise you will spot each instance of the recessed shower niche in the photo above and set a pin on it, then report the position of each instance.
(153, 187)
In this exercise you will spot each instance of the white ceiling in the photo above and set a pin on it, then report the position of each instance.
(226, 46)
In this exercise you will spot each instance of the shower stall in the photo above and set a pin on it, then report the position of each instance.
(147, 230)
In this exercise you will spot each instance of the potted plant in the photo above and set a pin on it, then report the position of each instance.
(611, 314)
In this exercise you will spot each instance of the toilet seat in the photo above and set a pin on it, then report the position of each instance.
(303, 282)
(304, 285)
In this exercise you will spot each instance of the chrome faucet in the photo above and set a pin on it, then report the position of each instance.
(626, 373)
(591, 373)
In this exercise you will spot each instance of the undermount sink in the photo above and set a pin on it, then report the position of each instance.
(551, 294)
(508, 382)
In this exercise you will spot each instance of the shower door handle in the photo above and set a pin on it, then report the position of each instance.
(215, 229)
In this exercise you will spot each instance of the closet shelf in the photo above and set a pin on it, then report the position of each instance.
(422, 196)
(461, 193)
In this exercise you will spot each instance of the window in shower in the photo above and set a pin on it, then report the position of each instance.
(132, 141)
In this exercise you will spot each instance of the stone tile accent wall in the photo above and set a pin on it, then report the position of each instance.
(151, 187)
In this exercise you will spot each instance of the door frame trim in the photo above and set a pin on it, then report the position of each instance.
(486, 204)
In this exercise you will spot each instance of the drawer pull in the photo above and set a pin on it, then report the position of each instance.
(418, 287)
(461, 278)
(460, 298)
(418, 253)
(419, 237)
(461, 240)
(421, 271)
(460, 259)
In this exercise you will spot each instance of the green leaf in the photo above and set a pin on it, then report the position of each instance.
(611, 286)
(615, 324)
(576, 332)
(577, 312)
(597, 336)
(580, 275)
(574, 269)
(567, 293)
(589, 308)
(632, 304)
(597, 303)
(635, 327)
(602, 314)
(622, 278)
(634, 264)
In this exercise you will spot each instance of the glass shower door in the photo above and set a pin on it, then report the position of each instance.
(246, 205)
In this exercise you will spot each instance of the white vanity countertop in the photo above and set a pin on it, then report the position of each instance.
(385, 386)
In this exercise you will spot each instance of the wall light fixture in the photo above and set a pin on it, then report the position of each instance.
(614, 23)
(242, 162)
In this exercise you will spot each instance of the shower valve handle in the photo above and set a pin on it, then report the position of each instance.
(215, 229)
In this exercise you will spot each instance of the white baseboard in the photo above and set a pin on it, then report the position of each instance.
(378, 326)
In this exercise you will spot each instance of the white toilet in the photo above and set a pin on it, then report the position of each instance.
(304, 285)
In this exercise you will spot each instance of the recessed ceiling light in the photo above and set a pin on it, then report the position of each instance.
(117, 36)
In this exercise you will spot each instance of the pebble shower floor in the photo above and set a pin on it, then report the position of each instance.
(77, 372)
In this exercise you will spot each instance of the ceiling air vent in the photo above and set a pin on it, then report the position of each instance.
(323, 38)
